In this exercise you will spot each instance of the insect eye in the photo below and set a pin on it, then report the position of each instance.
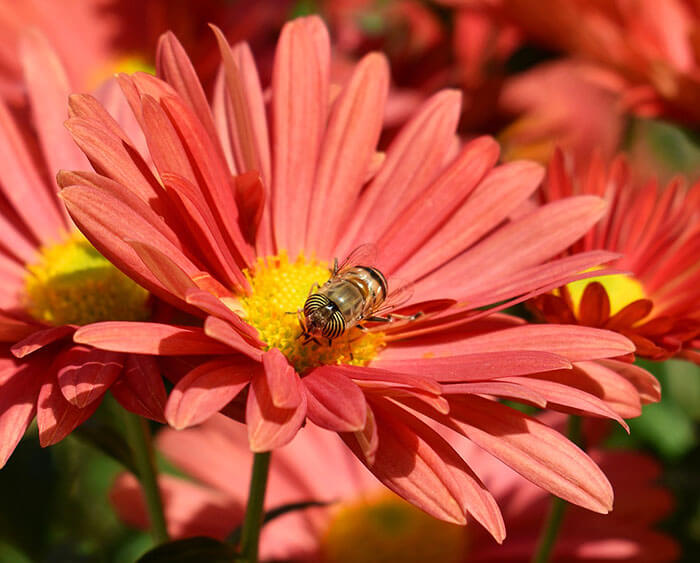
(315, 302)
(335, 326)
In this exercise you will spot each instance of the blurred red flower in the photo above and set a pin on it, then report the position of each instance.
(365, 523)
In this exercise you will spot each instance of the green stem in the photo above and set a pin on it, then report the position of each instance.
(139, 437)
(252, 523)
(555, 518)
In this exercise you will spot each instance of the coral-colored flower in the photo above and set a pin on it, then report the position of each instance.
(650, 45)
(656, 232)
(245, 250)
(53, 280)
(565, 104)
(97, 38)
(366, 523)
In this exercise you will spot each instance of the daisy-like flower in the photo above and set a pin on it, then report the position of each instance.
(242, 213)
(54, 281)
(648, 45)
(656, 305)
(560, 104)
(364, 522)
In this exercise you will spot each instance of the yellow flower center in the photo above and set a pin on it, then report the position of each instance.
(622, 290)
(388, 529)
(72, 283)
(279, 290)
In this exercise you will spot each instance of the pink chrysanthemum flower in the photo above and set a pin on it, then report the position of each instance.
(53, 280)
(656, 231)
(244, 251)
(648, 46)
(364, 522)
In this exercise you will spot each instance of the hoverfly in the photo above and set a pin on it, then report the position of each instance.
(356, 292)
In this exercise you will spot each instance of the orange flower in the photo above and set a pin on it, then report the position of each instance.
(656, 233)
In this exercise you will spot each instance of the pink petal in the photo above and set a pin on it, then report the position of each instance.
(140, 388)
(56, 417)
(169, 274)
(19, 388)
(552, 274)
(111, 155)
(616, 390)
(251, 199)
(216, 307)
(418, 464)
(174, 66)
(434, 207)
(349, 142)
(270, 427)
(644, 382)
(369, 376)
(249, 141)
(214, 177)
(149, 338)
(28, 195)
(478, 366)
(14, 330)
(540, 235)
(282, 380)
(501, 389)
(534, 450)
(84, 374)
(201, 223)
(562, 392)
(335, 402)
(164, 146)
(299, 107)
(367, 439)
(39, 339)
(412, 161)
(108, 223)
(227, 334)
(190, 509)
(48, 90)
(207, 389)
(575, 343)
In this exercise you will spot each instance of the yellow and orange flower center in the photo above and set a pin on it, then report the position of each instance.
(280, 289)
(385, 528)
(622, 289)
(72, 283)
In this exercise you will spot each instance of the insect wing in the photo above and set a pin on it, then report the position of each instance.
(363, 255)
(397, 297)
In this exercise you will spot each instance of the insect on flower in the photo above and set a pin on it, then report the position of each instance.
(355, 293)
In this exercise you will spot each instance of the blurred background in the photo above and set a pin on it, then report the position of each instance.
(591, 77)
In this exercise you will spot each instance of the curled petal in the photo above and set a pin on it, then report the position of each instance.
(270, 427)
(335, 402)
(207, 389)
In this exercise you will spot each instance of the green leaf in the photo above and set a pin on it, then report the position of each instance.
(683, 386)
(191, 550)
(667, 427)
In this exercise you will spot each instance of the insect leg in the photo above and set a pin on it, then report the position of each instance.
(394, 317)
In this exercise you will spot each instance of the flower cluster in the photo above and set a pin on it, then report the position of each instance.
(298, 257)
